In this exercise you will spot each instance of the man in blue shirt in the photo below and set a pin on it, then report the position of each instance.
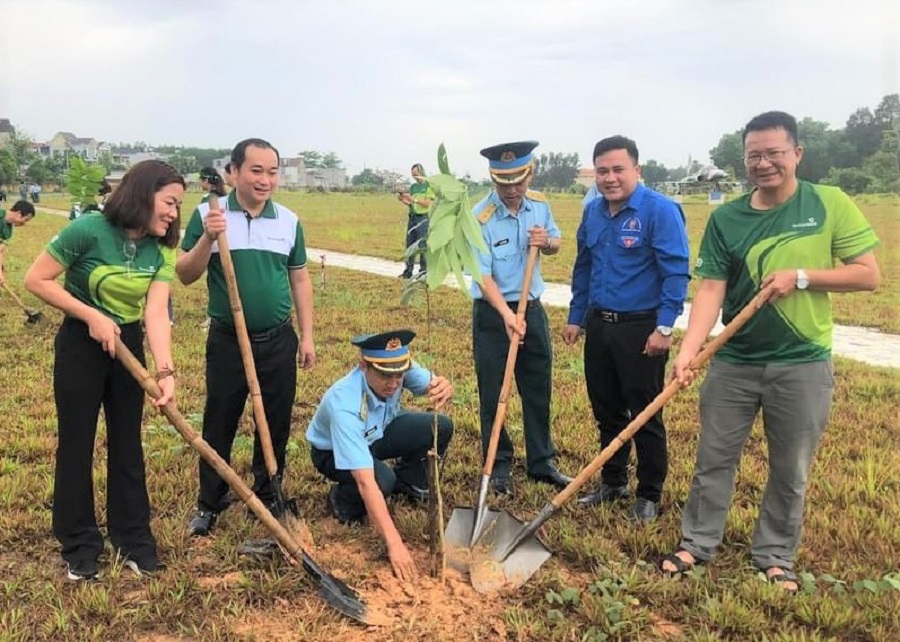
(359, 423)
(629, 283)
(514, 218)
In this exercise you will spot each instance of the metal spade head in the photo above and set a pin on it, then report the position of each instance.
(458, 535)
(495, 567)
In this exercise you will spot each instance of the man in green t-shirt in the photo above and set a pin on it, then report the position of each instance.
(20, 213)
(419, 198)
(783, 239)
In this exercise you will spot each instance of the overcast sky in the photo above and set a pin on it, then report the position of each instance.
(383, 82)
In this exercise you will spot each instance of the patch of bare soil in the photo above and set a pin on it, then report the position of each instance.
(427, 609)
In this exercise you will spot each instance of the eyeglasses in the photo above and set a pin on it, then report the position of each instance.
(772, 156)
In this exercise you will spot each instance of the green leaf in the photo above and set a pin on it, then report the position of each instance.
(443, 163)
(440, 233)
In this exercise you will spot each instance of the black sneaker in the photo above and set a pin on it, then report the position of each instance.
(414, 493)
(83, 571)
(141, 567)
(604, 495)
(202, 523)
(340, 513)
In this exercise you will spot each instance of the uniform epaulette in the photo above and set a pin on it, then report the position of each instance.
(535, 195)
(486, 213)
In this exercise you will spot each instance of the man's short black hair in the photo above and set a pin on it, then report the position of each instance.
(773, 120)
(24, 208)
(239, 153)
(616, 142)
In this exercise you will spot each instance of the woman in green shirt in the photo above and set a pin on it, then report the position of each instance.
(118, 266)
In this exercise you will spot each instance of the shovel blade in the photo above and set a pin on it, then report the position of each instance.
(490, 572)
(458, 534)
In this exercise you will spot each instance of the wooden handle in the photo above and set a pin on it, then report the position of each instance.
(500, 414)
(14, 296)
(243, 337)
(647, 413)
(206, 452)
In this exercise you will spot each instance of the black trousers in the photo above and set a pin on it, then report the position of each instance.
(275, 356)
(416, 232)
(408, 438)
(84, 378)
(621, 381)
(533, 373)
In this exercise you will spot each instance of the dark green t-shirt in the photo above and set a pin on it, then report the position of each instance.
(107, 270)
(6, 229)
(742, 245)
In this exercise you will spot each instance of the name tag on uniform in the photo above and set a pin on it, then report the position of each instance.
(501, 242)
(371, 431)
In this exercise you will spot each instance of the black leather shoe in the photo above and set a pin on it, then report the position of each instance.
(502, 486)
(340, 513)
(603, 495)
(202, 523)
(644, 511)
(412, 492)
(553, 478)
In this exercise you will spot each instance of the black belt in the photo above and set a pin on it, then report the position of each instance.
(609, 316)
(534, 303)
(255, 337)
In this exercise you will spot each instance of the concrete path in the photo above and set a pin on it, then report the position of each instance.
(869, 346)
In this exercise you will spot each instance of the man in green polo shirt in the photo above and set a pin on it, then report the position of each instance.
(269, 255)
(419, 199)
(20, 213)
(783, 239)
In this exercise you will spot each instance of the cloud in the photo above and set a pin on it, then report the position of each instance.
(383, 83)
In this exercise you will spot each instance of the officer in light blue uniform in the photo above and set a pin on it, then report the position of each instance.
(514, 218)
(359, 424)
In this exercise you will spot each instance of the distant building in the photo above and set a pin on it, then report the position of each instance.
(586, 177)
(66, 143)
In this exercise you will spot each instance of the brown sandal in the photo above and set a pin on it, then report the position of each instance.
(682, 567)
(786, 575)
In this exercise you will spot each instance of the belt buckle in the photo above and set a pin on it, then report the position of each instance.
(609, 316)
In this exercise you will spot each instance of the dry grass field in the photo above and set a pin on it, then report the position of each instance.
(600, 584)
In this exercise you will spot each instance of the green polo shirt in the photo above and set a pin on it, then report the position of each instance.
(420, 190)
(263, 250)
(107, 270)
(742, 245)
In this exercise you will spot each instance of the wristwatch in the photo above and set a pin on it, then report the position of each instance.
(802, 279)
(664, 330)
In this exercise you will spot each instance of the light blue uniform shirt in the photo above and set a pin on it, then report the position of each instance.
(592, 193)
(506, 237)
(350, 417)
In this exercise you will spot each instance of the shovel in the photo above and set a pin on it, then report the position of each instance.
(510, 551)
(335, 593)
(284, 510)
(33, 317)
(467, 525)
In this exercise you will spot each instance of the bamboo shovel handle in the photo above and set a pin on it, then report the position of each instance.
(500, 414)
(206, 452)
(240, 326)
(14, 295)
(658, 402)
